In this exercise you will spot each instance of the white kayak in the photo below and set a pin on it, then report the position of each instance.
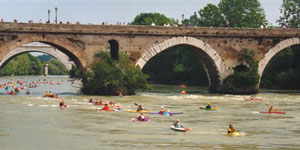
(180, 129)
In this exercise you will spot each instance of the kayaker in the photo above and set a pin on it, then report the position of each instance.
(161, 110)
(50, 94)
(177, 124)
(183, 92)
(141, 117)
(140, 108)
(56, 96)
(271, 109)
(27, 92)
(62, 103)
(230, 129)
(111, 103)
(106, 107)
(92, 100)
(208, 106)
(120, 95)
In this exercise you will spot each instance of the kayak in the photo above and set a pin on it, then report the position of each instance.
(180, 129)
(166, 113)
(254, 99)
(213, 108)
(233, 134)
(100, 109)
(276, 112)
(136, 120)
(64, 106)
(143, 111)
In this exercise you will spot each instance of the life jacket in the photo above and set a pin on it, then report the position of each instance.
(106, 107)
(230, 130)
(161, 111)
(141, 117)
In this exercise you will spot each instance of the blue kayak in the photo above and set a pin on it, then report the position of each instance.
(166, 113)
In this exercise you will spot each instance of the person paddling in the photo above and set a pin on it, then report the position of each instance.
(62, 103)
(162, 110)
(271, 109)
(177, 124)
(106, 107)
(208, 106)
(141, 117)
(140, 108)
(230, 129)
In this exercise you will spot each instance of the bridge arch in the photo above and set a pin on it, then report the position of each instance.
(43, 49)
(68, 48)
(212, 62)
(274, 50)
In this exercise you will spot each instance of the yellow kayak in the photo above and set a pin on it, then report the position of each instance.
(234, 134)
(143, 111)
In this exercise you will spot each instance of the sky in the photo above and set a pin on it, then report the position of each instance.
(112, 11)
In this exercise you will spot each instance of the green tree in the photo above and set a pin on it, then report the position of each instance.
(192, 21)
(290, 10)
(26, 64)
(211, 15)
(243, 13)
(149, 18)
(109, 77)
(55, 67)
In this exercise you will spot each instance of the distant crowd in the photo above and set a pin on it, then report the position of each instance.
(68, 22)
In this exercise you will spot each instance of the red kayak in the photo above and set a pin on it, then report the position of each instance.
(254, 99)
(276, 112)
(101, 109)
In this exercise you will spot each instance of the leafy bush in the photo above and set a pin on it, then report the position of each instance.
(110, 77)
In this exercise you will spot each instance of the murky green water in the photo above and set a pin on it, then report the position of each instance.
(33, 122)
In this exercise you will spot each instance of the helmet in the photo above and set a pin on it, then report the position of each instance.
(162, 107)
(208, 103)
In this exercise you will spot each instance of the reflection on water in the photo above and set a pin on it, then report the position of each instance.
(34, 122)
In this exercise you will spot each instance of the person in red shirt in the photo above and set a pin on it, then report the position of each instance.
(106, 107)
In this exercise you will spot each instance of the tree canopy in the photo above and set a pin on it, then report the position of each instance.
(27, 64)
(209, 16)
(290, 10)
(233, 13)
(149, 18)
(110, 77)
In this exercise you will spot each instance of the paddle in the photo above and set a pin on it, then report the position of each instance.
(138, 105)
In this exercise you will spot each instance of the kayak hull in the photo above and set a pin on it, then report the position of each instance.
(253, 99)
(266, 112)
(136, 120)
(100, 109)
(180, 129)
(166, 113)
(233, 134)
(143, 111)
(213, 108)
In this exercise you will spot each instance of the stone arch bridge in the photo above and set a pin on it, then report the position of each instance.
(37, 47)
(217, 48)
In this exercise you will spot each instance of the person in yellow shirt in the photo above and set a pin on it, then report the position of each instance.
(230, 129)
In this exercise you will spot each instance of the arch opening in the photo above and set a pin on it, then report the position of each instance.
(28, 63)
(283, 70)
(180, 64)
(114, 49)
(212, 62)
(58, 52)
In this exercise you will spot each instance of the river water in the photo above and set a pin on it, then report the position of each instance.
(30, 122)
